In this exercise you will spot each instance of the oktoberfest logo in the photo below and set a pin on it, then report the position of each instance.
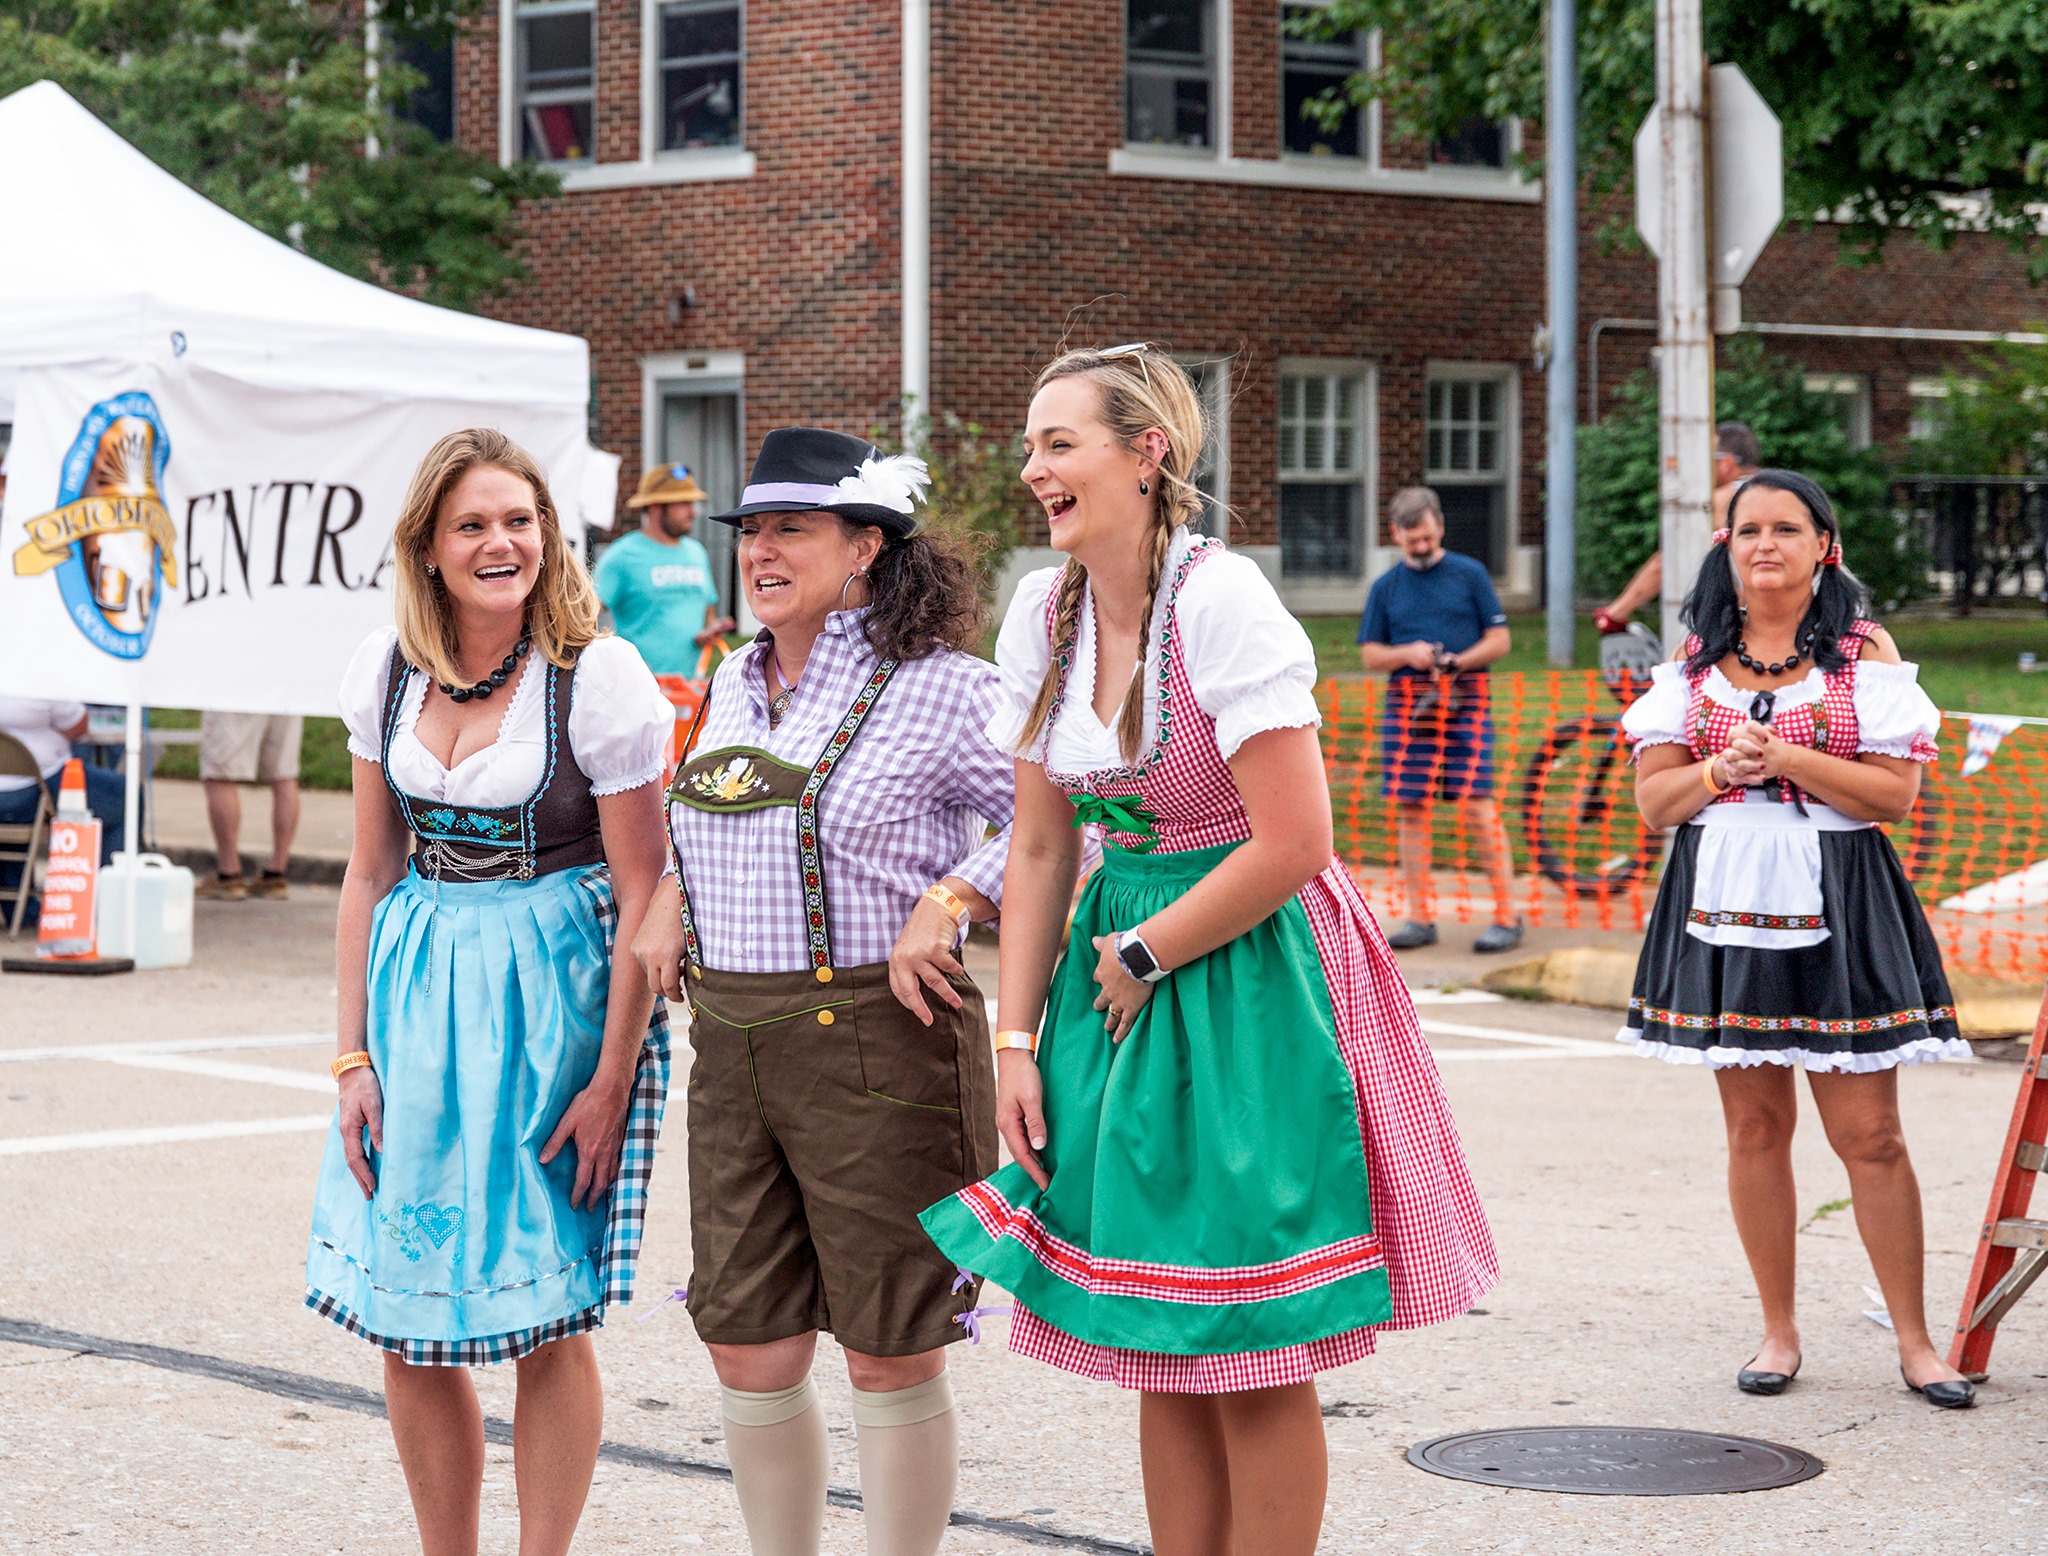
(110, 540)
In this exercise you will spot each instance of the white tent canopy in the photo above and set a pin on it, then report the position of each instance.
(213, 433)
(109, 258)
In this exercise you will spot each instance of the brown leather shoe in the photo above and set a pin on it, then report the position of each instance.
(221, 888)
(271, 886)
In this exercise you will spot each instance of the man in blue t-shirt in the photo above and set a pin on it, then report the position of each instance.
(657, 581)
(1433, 625)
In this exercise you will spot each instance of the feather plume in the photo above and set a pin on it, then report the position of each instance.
(896, 482)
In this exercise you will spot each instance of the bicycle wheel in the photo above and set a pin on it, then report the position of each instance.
(1579, 810)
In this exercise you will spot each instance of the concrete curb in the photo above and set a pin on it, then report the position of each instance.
(1603, 977)
(305, 869)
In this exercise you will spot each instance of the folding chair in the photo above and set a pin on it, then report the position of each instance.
(17, 841)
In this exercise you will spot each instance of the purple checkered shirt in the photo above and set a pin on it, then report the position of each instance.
(907, 804)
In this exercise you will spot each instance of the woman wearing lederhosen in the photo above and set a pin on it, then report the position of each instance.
(502, 1072)
(1785, 934)
(829, 826)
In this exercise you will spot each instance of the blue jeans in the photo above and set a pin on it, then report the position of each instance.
(105, 797)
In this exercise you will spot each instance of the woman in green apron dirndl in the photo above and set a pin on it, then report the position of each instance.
(1233, 1159)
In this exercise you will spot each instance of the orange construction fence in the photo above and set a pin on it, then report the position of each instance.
(1561, 804)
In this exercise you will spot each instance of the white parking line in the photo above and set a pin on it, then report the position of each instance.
(170, 1045)
(225, 1070)
(169, 1134)
(1556, 1047)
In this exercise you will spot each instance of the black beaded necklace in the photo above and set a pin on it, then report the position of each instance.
(501, 675)
(1801, 650)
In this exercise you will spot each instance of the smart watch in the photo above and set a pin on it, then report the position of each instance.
(1136, 958)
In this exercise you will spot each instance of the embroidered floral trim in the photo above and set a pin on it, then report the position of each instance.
(407, 1225)
(740, 776)
(807, 812)
(1728, 920)
(1169, 644)
(1737, 1021)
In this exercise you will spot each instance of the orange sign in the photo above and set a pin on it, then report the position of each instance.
(68, 888)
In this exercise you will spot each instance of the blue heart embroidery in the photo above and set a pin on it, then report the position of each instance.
(439, 1222)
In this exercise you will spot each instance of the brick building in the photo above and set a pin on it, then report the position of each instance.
(777, 212)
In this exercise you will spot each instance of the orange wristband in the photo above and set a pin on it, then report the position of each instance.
(1707, 777)
(347, 1062)
(1018, 1040)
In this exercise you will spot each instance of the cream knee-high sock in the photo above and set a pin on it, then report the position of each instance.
(776, 1445)
(909, 1464)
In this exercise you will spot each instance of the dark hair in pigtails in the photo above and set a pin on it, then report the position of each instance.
(1713, 610)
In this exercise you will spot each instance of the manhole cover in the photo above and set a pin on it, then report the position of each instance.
(1615, 1461)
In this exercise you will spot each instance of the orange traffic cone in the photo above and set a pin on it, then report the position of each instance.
(66, 941)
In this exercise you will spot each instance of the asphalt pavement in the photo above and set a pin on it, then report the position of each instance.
(163, 1390)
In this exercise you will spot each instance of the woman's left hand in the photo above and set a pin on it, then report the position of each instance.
(1760, 743)
(923, 958)
(595, 1123)
(1121, 995)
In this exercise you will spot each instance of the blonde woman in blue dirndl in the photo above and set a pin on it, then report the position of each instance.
(501, 1072)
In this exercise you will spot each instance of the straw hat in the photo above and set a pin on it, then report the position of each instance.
(667, 483)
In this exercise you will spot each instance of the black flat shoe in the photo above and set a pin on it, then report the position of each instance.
(1948, 1394)
(1765, 1382)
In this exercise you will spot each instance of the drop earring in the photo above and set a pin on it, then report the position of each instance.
(1144, 489)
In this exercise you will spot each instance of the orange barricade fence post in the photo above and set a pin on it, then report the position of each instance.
(1975, 847)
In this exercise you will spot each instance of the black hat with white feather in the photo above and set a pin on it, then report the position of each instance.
(811, 469)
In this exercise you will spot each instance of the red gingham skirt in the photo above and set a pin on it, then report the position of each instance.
(1425, 1212)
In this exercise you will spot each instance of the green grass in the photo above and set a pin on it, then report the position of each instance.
(323, 753)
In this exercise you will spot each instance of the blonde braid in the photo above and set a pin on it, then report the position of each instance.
(1066, 626)
(1130, 729)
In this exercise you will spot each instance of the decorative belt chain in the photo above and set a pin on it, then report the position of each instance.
(438, 861)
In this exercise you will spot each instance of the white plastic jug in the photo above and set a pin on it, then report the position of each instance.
(163, 910)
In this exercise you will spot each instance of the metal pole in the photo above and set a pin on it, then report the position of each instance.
(916, 270)
(1561, 190)
(1685, 371)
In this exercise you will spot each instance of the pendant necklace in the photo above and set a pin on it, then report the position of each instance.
(778, 705)
(491, 682)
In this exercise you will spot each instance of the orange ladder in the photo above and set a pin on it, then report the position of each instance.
(2012, 1251)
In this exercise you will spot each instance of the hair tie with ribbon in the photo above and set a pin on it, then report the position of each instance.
(1720, 538)
(1833, 555)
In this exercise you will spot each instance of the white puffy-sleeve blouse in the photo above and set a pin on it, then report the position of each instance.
(1894, 714)
(1250, 664)
(619, 724)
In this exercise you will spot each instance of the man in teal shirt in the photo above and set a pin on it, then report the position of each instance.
(657, 581)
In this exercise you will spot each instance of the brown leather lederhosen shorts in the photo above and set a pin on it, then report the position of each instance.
(823, 1118)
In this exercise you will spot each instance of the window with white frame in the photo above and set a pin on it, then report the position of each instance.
(1170, 73)
(1309, 67)
(1467, 434)
(1212, 470)
(698, 75)
(1848, 395)
(1324, 455)
(1478, 142)
(555, 78)
(1929, 414)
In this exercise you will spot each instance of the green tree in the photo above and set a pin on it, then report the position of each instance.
(975, 493)
(1994, 420)
(1928, 115)
(1617, 521)
(265, 107)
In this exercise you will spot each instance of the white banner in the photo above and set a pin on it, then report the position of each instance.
(182, 539)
